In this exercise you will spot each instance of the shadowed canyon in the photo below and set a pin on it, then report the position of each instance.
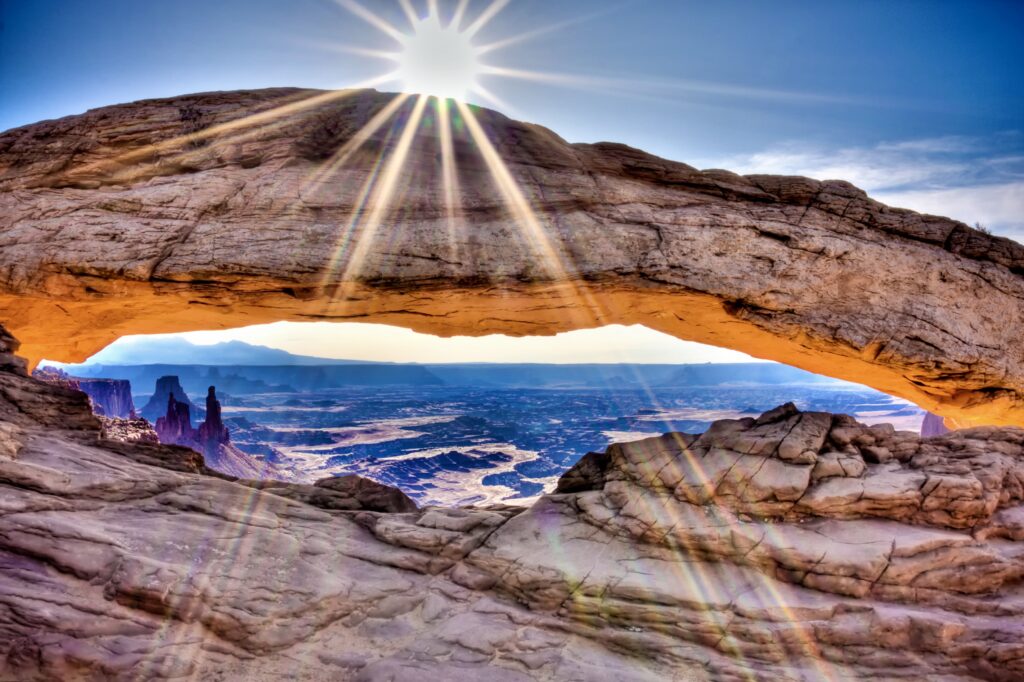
(796, 545)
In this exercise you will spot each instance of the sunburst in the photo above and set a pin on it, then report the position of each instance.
(438, 60)
(441, 56)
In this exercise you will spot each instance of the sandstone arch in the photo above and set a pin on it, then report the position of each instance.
(168, 215)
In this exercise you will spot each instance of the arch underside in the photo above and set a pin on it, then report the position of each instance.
(812, 274)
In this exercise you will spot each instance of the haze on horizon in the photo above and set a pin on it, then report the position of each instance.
(385, 343)
(919, 103)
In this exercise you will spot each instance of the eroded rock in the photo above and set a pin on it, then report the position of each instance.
(211, 211)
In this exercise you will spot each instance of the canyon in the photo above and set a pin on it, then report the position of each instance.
(225, 209)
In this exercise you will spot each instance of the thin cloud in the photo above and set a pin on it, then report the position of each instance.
(998, 207)
(878, 167)
(970, 179)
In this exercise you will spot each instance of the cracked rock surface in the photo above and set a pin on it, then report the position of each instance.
(795, 546)
(226, 209)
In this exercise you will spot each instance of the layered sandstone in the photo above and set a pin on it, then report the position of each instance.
(110, 397)
(167, 387)
(136, 430)
(211, 438)
(795, 546)
(218, 210)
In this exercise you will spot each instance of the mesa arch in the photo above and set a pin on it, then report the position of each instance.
(227, 209)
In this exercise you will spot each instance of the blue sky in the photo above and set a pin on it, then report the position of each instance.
(919, 102)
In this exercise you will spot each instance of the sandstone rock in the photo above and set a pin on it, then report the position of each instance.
(212, 433)
(209, 211)
(129, 430)
(932, 425)
(112, 396)
(587, 474)
(838, 464)
(9, 362)
(120, 560)
(166, 387)
(211, 438)
(175, 427)
(109, 397)
(370, 494)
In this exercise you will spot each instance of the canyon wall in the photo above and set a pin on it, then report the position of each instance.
(110, 397)
(226, 209)
(113, 397)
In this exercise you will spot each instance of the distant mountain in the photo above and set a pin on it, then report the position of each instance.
(741, 373)
(239, 380)
(622, 375)
(177, 351)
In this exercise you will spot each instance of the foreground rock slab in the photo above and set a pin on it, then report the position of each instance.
(795, 546)
(225, 209)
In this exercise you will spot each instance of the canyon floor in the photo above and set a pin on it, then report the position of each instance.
(791, 546)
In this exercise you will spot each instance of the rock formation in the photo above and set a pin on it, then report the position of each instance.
(128, 430)
(109, 397)
(933, 425)
(212, 433)
(211, 438)
(112, 397)
(793, 546)
(226, 209)
(166, 387)
(175, 427)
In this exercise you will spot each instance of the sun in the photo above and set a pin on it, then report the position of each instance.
(438, 60)
(437, 52)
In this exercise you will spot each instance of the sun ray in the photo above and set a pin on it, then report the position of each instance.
(547, 76)
(341, 242)
(410, 13)
(513, 196)
(494, 100)
(351, 49)
(369, 17)
(485, 17)
(557, 265)
(543, 30)
(338, 159)
(380, 199)
(273, 117)
(449, 178)
(458, 15)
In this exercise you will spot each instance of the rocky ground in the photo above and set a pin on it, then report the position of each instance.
(794, 546)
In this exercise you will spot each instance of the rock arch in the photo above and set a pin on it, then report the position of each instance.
(226, 209)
